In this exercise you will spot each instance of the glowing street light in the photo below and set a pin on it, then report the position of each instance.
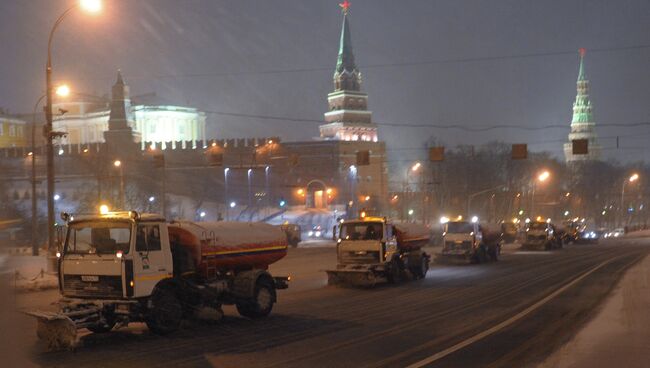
(233, 204)
(117, 163)
(63, 90)
(416, 166)
(634, 177)
(91, 6)
(543, 176)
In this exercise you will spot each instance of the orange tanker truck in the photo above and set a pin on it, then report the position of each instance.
(373, 249)
(122, 267)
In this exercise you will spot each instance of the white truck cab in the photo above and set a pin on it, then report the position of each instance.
(115, 255)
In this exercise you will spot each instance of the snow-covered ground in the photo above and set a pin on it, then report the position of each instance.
(27, 273)
(619, 335)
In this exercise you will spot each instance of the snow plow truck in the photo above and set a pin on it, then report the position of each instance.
(373, 249)
(122, 267)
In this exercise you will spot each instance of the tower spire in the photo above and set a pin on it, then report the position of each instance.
(581, 71)
(348, 117)
(582, 122)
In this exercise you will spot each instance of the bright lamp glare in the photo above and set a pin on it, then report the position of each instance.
(91, 6)
(63, 90)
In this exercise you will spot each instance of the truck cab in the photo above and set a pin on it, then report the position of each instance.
(365, 241)
(119, 255)
(461, 238)
(541, 235)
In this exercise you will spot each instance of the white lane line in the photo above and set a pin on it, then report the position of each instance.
(504, 324)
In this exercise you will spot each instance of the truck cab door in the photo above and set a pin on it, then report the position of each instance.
(152, 257)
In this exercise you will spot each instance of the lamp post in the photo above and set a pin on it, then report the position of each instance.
(118, 165)
(225, 192)
(250, 191)
(634, 177)
(414, 168)
(542, 177)
(92, 6)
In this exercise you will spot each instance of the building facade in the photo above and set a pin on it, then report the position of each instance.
(582, 123)
(13, 132)
(85, 118)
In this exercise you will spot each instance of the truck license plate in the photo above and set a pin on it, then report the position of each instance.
(89, 278)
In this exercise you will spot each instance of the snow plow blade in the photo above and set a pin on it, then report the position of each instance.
(57, 330)
(452, 259)
(349, 278)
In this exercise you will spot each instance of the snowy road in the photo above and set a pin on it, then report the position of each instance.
(512, 313)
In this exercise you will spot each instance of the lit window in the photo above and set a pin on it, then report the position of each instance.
(12, 130)
(355, 137)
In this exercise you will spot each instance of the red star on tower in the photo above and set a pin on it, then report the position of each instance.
(345, 5)
(582, 51)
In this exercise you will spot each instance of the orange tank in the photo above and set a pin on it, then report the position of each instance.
(219, 247)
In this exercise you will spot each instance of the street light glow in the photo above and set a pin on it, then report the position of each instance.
(634, 177)
(103, 209)
(151, 199)
(543, 176)
(416, 167)
(233, 204)
(117, 163)
(91, 6)
(63, 90)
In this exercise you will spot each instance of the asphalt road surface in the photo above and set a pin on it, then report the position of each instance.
(512, 313)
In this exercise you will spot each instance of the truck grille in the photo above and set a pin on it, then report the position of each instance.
(466, 245)
(365, 257)
(105, 287)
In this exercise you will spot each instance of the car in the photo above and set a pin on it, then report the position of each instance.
(616, 233)
(316, 232)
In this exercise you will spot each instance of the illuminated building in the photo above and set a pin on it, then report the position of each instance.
(12, 132)
(86, 118)
(582, 123)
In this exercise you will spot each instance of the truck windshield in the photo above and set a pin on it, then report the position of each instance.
(362, 231)
(459, 228)
(106, 237)
(537, 226)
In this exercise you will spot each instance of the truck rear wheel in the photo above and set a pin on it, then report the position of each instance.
(262, 302)
(166, 313)
(394, 274)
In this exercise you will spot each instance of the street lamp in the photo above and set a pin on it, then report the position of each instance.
(407, 185)
(634, 177)
(118, 165)
(61, 91)
(225, 190)
(91, 6)
(542, 177)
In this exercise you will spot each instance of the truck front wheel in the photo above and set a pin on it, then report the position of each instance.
(166, 313)
(262, 302)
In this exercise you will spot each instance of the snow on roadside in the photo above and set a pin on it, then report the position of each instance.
(618, 335)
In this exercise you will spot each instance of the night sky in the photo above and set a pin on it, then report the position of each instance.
(423, 62)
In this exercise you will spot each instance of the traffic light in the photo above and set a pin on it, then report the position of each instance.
(436, 154)
(519, 151)
(580, 146)
(363, 158)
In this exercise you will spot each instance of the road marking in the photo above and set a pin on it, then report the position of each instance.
(506, 323)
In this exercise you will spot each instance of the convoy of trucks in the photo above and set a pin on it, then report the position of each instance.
(116, 268)
(122, 267)
(373, 249)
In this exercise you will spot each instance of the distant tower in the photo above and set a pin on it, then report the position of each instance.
(582, 124)
(348, 117)
(120, 121)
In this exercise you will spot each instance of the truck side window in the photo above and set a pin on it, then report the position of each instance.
(147, 238)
